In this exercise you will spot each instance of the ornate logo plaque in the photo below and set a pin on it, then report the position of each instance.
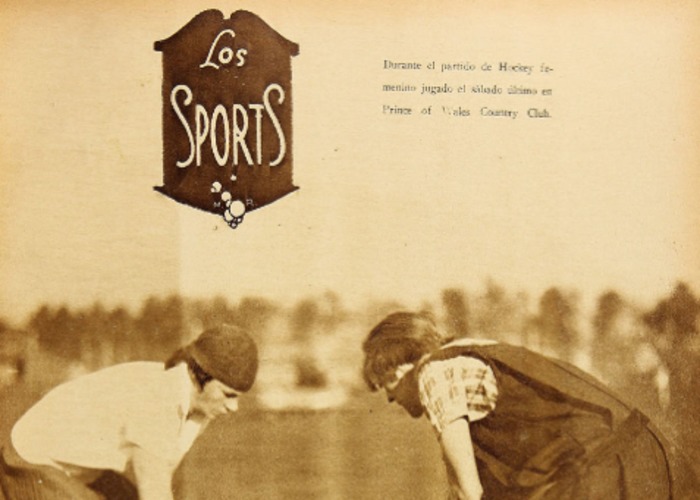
(227, 114)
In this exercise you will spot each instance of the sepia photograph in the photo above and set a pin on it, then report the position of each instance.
(352, 250)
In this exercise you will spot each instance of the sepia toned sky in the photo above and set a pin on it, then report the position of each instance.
(602, 194)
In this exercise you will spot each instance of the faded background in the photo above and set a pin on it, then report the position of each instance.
(576, 236)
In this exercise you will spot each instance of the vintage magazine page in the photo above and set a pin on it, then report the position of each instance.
(524, 172)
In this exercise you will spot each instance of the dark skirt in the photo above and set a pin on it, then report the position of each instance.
(23, 481)
(640, 464)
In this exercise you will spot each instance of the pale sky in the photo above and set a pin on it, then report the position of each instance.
(601, 195)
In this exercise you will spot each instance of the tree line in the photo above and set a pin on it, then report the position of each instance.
(651, 355)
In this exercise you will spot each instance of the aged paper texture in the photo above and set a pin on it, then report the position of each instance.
(526, 172)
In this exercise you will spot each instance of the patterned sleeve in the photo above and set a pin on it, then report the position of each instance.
(456, 388)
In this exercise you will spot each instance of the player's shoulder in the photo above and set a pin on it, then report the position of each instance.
(456, 353)
(440, 363)
(130, 369)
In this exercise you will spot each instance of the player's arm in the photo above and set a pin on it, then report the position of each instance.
(153, 475)
(458, 450)
(455, 392)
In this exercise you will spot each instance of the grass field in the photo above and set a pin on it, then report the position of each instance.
(341, 454)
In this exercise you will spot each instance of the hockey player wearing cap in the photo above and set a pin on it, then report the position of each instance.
(133, 420)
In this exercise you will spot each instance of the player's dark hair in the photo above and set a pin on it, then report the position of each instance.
(402, 337)
(182, 356)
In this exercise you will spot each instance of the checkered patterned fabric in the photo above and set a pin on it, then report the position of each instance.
(456, 388)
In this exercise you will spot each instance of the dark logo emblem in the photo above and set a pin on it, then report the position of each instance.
(227, 114)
